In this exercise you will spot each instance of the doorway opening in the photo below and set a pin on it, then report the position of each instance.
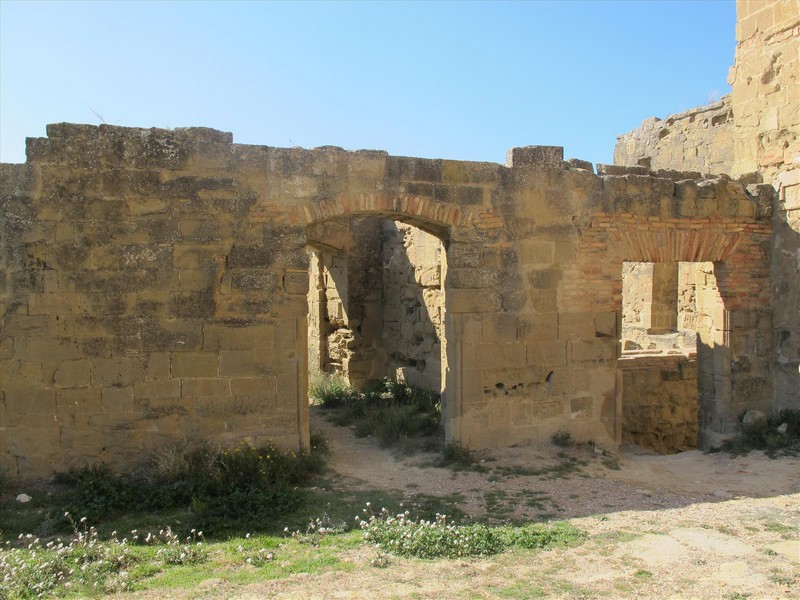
(670, 313)
(377, 302)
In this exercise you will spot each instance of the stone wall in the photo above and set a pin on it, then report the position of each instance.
(760, 143)
(700, 139)
(765, 79)
(660, 408)
(155, 286)
(413, 292)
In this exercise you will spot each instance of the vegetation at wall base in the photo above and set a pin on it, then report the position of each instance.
(224, 490)
(765, 435)
(390, 411)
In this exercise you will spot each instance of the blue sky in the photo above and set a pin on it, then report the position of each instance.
(460, 80)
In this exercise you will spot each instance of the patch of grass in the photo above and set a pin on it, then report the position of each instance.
(612, 463)
(558, 471)
(619, 536)
(785, 531)
(395, 414)
(439, 538)
(331, 391)
(643, 574)
(782, 579)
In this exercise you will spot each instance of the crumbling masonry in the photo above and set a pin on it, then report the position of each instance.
(162, 284)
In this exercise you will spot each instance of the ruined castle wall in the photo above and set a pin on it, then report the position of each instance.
(761, 142)
(413, 292)
(156, 286)
(765, 80)
(700, 139)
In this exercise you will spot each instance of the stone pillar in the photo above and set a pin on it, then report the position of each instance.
(664, 305)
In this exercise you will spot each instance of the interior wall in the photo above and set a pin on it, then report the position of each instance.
(414, 303)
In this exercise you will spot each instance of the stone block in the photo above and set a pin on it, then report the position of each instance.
(547, 354)
(605, 324)
(74, 405)
(72, 374)
(502, 355)
(540, 253)
(593, 351)
(472, 301)
(246, 363)
(195, 364)
(576, 326)
(157, 389)
(581, 407)
(536, 327)
(43, 348)
(295, 282)
(540, 156)
(158, 365)
(499, 328)
(117, 400)
(238, 336)
(22, 400)
(213, 387)
(120, 371)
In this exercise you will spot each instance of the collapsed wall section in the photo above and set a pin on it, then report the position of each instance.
(700, 139)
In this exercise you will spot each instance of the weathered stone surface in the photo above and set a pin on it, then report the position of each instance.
(158, 283)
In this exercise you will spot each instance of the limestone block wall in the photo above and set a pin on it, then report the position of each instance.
(155, 286)
(659, 402)
(765, 79)
(757, 138)
(413, 292)
(700, 139)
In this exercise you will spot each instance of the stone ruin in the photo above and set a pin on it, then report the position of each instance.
(163, 284)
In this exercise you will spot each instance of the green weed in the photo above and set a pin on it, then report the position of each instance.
(562, 438)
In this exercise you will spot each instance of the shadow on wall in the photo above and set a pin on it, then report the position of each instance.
(786, 292)
(413, 304)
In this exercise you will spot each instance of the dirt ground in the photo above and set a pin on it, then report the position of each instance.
(690, 525)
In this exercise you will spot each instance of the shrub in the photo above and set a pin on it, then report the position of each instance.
(3, 480)
(244, 486)
(390, 411)
(562, 438)
(456, 455)
(97, 491)
(331, 391)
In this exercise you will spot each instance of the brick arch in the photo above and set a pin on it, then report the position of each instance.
(675, 245)
(426, 213)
